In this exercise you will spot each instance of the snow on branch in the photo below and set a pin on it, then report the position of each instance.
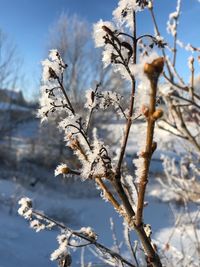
(68, 239)
(123, 14)
(181, 182)
(173, 20)
(53, 95)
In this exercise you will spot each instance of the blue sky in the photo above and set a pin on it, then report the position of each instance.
(27, 23)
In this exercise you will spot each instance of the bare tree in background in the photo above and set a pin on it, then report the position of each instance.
(10, 78)
(71, 35)
(9, 63)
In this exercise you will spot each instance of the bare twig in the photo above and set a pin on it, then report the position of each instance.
(89, 240)
(152, 74)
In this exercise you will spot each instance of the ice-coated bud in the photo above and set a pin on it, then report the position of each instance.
(150, 5)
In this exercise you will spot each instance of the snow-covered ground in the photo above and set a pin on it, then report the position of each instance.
(12, 107)
(21, 246)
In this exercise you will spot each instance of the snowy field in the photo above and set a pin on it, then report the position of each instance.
(21, 246)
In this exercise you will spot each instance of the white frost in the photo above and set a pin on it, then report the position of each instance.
(25, 209)
(62, 249)
(99, 33)
(60, 169)
(123, 14)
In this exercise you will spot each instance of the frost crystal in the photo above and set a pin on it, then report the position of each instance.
(99, 34)
(138, 69)
(147, 229)
(62, 250)
(123, 14)
(52, 67)
(181, 182)
(139, 162)
(88, 231)
(104, 100)
(129, 182)
(180, 43)
(143, 89)
(54, 55)
(98, 163)
(189, 48)
(90, 99)
(107, 56)
(25, 209)
(173, 17)
(118, 68)
(37, 225)
(166, 89)
(190, 63)
(61, 169)
(51, 98)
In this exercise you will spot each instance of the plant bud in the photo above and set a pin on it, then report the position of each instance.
(145, 111)
(158, 65)
(149, 69)
(107, 30)
(74, 144)
(157, 114)
(154, 69)
(65, 170)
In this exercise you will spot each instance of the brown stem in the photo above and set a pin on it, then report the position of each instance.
(147, 153)
(175, 39)
(184, 88)
(89, 120)
(192, 81)
(175, 72)
(117, 178)
(183, 128)
(127, 130)
(148, 248)
(192, 102)
(108, 194)
(66, 96)
(174, 49)
(158, 33)
(171, 132)
(129, 119)
(187, 131)
(122, 194)
(91, 241)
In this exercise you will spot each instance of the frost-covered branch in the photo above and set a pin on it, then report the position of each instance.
(182, 180)
(180, 97)
(136, 62)
(68, 238)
